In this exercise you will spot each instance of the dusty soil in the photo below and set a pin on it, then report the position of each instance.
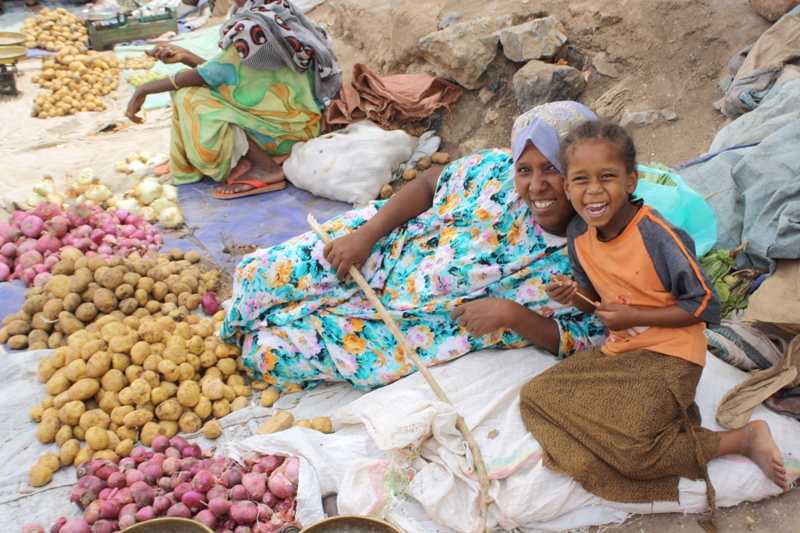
(669, 53)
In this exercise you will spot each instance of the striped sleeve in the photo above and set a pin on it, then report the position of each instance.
(673, 254)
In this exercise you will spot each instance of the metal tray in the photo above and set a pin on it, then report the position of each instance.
(102, 13)
(12, 54)
(9, 38)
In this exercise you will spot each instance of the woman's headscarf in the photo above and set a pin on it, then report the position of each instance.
(545, 126)
(271, 35)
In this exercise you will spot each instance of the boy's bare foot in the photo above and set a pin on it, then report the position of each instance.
(755, 441)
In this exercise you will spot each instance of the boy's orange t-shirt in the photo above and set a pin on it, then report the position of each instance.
(650, 264)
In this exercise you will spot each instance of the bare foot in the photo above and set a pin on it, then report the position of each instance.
(759, 446)
(241, 167)
(262, 168)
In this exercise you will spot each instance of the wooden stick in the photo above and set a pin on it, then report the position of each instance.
(587, 299)
(411, 353)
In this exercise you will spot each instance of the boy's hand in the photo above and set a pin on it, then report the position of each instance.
(618, 316)
(562, 289)
(346, 251)
(484, 316)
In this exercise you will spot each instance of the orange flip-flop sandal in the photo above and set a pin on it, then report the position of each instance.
(259, 187)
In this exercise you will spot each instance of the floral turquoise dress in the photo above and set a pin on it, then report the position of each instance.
(299, 326)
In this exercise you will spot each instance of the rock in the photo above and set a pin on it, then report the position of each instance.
(491, 116)
(669, 114)
(638, 118)
(772, 10)
(484, 95)
(539, 82)
(471, 146)
(537, 39)
(613, 101)
(449, 19)
(603, 66)
(462, 52)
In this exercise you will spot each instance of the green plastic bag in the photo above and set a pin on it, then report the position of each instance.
(682, 206)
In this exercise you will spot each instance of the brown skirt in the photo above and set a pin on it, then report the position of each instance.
(625, 426)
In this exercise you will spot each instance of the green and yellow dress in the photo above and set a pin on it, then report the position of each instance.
(274, 108)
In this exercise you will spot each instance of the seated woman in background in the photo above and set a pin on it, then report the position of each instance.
(264, 92)
(460, 261)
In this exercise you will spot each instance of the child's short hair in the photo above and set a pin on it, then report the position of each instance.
(601, 132)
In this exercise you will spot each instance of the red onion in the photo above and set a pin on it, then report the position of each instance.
(109, 509)
(217, 491)
(178, 442)
(269, 499)
(9, 232)
(218, 506)
(264, 511)
(255, 484)
(139, 454)
(129, 510)
(48, 243)
(292, 470)
(192, 450)
(5, 272)
(152, 473)
(116, 480)
(28, 275)
(16, 218)
(52, 259)
(243, 512)
(133, 476)
(145, 514)
(160, 443)
(161, 504)
(32, 226)
(78, 215)
(25, 245)
(122, 215)
(58, 226)
(210, 303)
(126, 464)
(269, 463)
(188, 463)
(106, 470)
(30, 258)
(127, 521)
(172, 452)
(203, 481)
(205, 517)
(93, 483)
(58, 525)
(193, 499)
(182, 489)
(32, 528)
(238, 493)
(8, 250)
(243, 529)
(143, 494)
(123, 496)
(171, 465)
(179, 510)
(47, 210)
(105, 493)
(83, 244)
(94, 512)
(105, 526)
(76, 525)
(164, 483)
(97, 235)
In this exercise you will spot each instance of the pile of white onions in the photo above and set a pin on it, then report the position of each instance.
(30, 241)
(176, 480)
(149, 199)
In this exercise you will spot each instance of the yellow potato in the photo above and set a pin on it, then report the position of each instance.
(97, 438)
(68, 452)
(269, 397)
(39, 476)
(322, 424)
(212, 429)
(51, 461)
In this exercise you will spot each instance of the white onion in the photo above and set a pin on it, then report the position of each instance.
(36, 199)
(131, 157)
(148, 214)
(98, 193)
(171, 217)
(159, 204)
(122, 167)
(45, 186)
(87, 177)
(147, 191)
(170, 192)
(131, 205)
(56, 198)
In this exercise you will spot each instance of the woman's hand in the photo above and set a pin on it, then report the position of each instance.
(619, 317)
(135, 104)
(170, 54)
(562, 289)
(349, 250)
(487, 315)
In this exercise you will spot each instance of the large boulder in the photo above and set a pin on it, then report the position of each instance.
(463, 51)
(772, 10)
(538, 82)
(537, 39)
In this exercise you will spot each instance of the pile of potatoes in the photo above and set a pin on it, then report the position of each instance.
(130, 375)
(52, 30)
(142, 62)
(74, 80)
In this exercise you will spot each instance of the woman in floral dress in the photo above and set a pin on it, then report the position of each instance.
(460, 263)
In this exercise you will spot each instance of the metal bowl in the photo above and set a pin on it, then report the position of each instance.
(8, 38)
(12, 54)
(350, 524)
(168, 525)
(102, 13)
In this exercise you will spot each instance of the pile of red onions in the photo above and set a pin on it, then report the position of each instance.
(31, 240)
(175, 479)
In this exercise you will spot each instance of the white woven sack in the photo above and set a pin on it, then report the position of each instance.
(350, 165)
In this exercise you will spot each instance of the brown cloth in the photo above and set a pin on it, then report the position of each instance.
(738, 404)
(398, 98)
(625, 426)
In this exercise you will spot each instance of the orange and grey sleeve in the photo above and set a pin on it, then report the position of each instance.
(673, 254)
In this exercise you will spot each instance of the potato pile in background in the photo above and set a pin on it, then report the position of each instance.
(53, 30)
